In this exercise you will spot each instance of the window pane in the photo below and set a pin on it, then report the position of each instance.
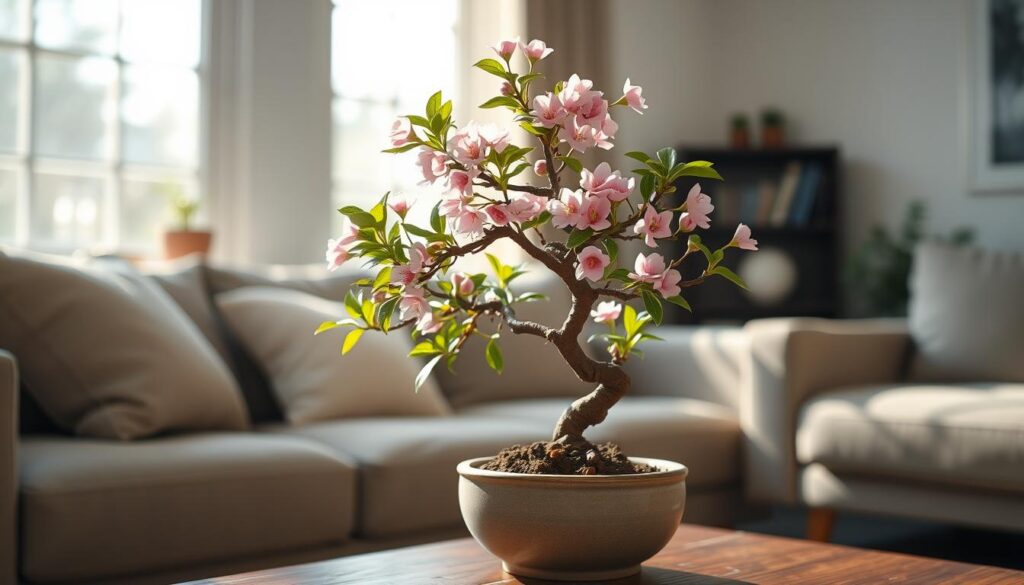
(361, 131)
(165, 31)
(10, 184)
(77, 24)
(13, 19)
(12, 68)
(74, 107)
(68, 209)
(146, 210)
(161, 115)
(366, 63)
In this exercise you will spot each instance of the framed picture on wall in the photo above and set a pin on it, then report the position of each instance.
(996, 124)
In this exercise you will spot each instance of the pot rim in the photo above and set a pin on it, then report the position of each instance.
(669, 472)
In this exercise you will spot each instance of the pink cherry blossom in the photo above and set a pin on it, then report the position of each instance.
(525, 206)
(698, 208)
(498, 213)
(632, 97)
(470, 221)
(606, 132)
(506, 48)
(565, 211)
(579, 137)
(462, 181)
(606, 312)
(654, 225)
(742, 240)
(451, 206)
(337, 254)
(535, 50)
(412, 304)
(548, 110)
(602, 182)
(462, 284)
(668, 283)
(594, 214)
(507, 89)
(575, 92)
(592, 109)
(592, 262)
(428, 323)
(469, 148)
(405, 274)
(540, 168)
(648, 268)
(349, 233)
(494, 136)
(400, 205)
(401, 132)
(432, 164)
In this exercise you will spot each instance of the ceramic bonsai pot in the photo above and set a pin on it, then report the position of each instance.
(570, 527)
(183, 243)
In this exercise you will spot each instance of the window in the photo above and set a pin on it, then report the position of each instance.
(380, 70)
(99, 119)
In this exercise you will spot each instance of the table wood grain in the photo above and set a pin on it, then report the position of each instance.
(696, 555)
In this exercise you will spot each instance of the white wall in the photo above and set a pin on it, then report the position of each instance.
(885, 79)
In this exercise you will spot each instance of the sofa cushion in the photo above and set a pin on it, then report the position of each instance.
(701, 435)
(533, 367)
(971, 434)
(966, 314)
(311, 381)
(107, 353)
(312, 279)
(92, 509)
(407, 465)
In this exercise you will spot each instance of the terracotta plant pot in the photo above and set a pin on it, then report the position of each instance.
(773, 137)
(571, 527)
(178, 243)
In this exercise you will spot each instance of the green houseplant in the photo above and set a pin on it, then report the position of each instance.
(183, 238)
(571, 221)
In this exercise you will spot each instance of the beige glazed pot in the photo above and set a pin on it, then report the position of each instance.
(570, 527)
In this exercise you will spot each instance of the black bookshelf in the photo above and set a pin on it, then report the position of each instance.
(790, 199)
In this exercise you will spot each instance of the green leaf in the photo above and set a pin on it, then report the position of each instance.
(543, 217)
(730, 275)
(385, 312)
(695, 241)
(667, 157)
(351, 340)
(577, 237)
(403, 148)
(325, 326)
(652, 303)
(703, 172)
(436, 220)
(680, 301)
(638, 156)
(358, 217)
(572, 163)
(424, 348)
(367, 311)
(425, 371)
(647, 183)
(446, 110)
(629, 320)
(612, 248)
(532, 129)
(620, 274)
(433, 104)
(383, 278)
(526, 79)
(530, 297)
(352, 305)
(500, 101)
(491, 66)
(419, 121)
(493, 354)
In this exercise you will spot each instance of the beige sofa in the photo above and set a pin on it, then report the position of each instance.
(921, 418)
(206, 504)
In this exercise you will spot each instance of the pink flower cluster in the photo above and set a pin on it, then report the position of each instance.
(580, 112)
(338, 251)
(652, 269)
(590, 206)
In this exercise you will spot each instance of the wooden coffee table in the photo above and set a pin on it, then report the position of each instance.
(696, 555)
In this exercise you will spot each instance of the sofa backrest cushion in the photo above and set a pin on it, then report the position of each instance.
(533, 367)
(106, 353)
(311, 381)
(311, 279)
(967, 314)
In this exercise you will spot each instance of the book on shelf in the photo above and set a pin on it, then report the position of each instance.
(787, 190)
(807, 191)
(766, 197)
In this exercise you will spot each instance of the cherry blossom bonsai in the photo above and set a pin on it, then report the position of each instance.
(569, 219)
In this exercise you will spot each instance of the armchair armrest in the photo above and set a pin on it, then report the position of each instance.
(701, 362)
(8, 468)
(793, 359)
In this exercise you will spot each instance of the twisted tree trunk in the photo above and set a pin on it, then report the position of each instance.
(588, 411)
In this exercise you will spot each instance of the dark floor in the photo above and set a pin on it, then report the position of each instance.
(983, 547)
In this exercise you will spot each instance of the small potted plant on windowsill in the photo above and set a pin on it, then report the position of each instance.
(564, 508)
(184, 240)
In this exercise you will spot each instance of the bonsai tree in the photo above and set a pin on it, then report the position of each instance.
(569, 219)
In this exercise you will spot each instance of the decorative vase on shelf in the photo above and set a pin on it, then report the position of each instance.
(773, 129)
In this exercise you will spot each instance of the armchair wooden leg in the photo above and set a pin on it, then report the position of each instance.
(819, 523)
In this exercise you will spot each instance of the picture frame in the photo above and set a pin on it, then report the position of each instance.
(996, 82)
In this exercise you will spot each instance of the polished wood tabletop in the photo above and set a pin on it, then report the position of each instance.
(696, 555)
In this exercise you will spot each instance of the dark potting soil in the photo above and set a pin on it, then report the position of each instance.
(565, 459)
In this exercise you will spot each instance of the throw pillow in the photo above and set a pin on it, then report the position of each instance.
(966, 314)
(106, 353)
(311, 380)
